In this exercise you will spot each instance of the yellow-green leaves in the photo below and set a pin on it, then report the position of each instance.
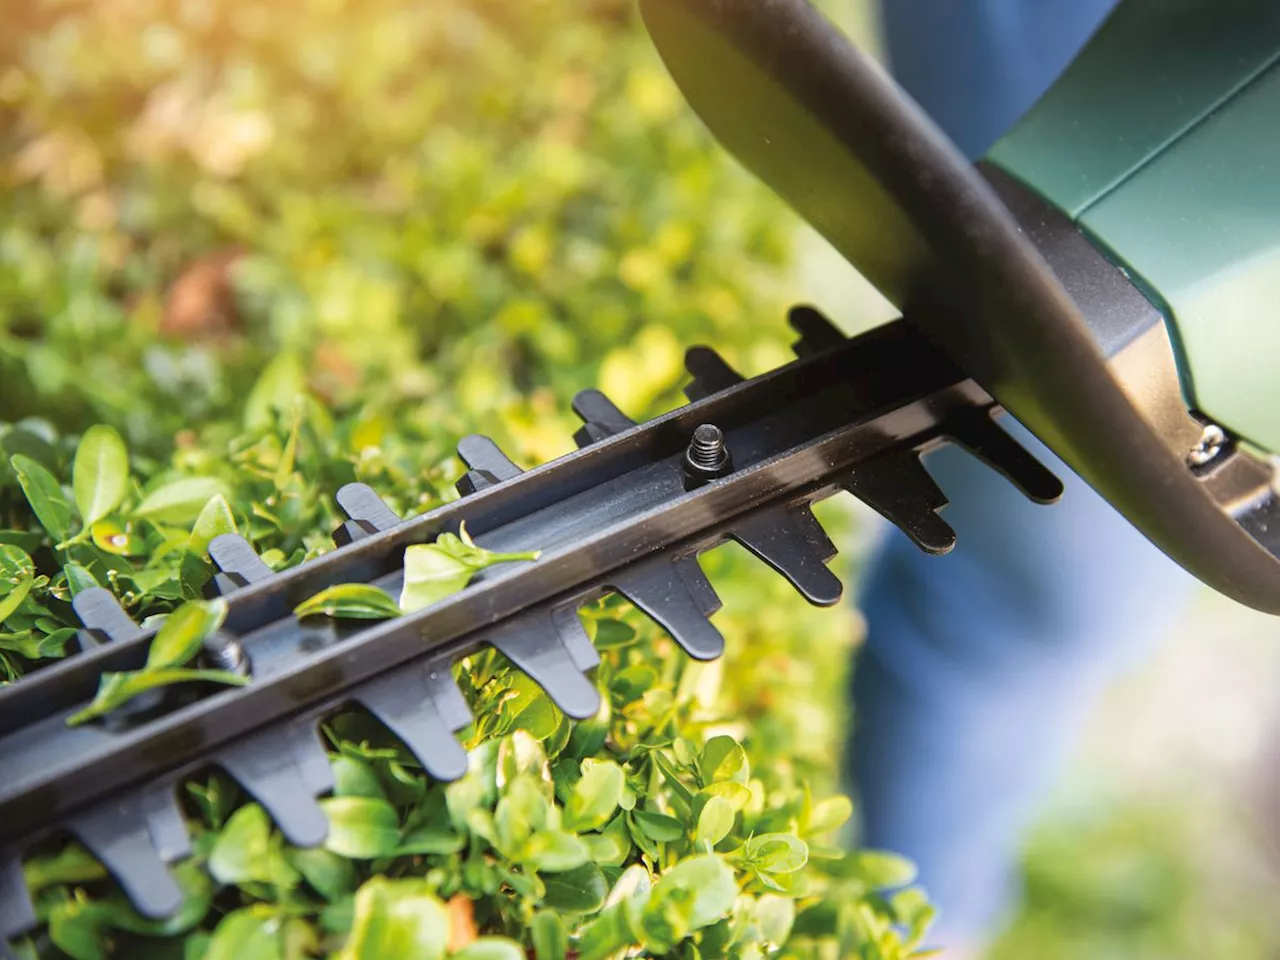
(214, 520)
(595, 797)
(550, 939)
(178, 640)
(361, 828)
(183, 631)
(354, 601)
(490, 948)
(723, 759)
(714, 822)
(246, 934)
(248, 851)
(45, 495)
(433, 571)
(100, 473)
(180, 501)
(397, 918)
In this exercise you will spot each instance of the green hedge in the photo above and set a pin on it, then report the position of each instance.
(278, 247)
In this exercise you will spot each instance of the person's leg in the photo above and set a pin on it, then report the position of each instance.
(979, 666)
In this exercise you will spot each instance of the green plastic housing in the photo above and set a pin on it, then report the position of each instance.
(1162, 143)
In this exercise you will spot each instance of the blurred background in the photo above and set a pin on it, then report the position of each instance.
(449, 217)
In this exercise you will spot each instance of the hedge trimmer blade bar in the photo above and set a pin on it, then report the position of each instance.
(628, 514)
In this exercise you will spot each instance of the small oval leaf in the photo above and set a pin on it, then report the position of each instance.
(183, 631)
(100, 473)
(361, 828)
(350, 601)
(180, 501)
(45, 496)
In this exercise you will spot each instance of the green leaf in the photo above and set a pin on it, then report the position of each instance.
(658, 826)
(550, 938)
(10, 604)
(715, 821)
(350, 601)
(180, 502)
(73, 864)
(246, 934)
(776, 852)
(430, 839)
(881, 870)
(330, 875)
(581, 890)
(491, 948)
(397, 918)
(100, 473)
(723, 759)
(431, 574)
(703, 886)
(433, 571)
(280, 385)
(611, 846)
(737, 795)
(611, 634)
(246, 851)
(775, 916)
(116, 538)
(116, 689)
(79, 579)
(595, 796)
(554, 851)
(361, 828)
(79, 929)
(45, 496)
(355, 778)
(829, 814)
(15, 566)
(183, 631)
(214, 520)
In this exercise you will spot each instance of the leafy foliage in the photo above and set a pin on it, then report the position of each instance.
(249, 253)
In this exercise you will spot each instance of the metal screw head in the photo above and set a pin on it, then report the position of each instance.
(1212, 439)
(707, 456)
(223, 652)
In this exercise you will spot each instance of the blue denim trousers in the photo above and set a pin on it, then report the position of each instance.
(980, 666)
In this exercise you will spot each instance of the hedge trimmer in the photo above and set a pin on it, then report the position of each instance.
(1058, 280)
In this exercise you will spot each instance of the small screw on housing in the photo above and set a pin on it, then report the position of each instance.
(222, 652)
(1212, 439)
(707, 456)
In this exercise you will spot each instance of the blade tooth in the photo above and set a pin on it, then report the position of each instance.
(817, 333)
(977, 431)
(575, 638)
(449, 700)
(600, 418)
(409, 703)
(678, 596)
(17, 912)
(285, 769)
(812, 531)
(127, 835)
(534, 643)
(367, 512)
(710, 373)
(776, 537)
(104, 619)
(165, 824)
(487, 464)
(237, 561)
(898, 487)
